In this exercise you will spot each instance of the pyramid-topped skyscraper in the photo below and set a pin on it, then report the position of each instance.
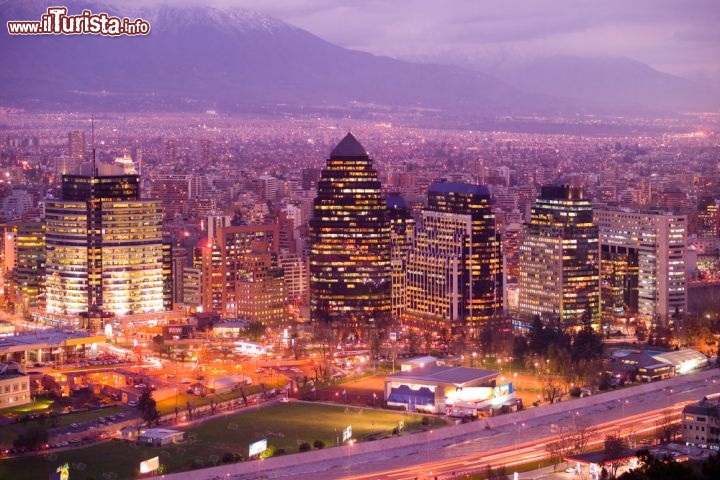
(350, 274)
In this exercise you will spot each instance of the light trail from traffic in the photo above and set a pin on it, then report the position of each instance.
(532, 451)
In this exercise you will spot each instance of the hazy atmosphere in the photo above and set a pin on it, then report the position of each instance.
(673, 36)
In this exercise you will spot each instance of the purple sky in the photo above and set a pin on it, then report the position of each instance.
(674, 36)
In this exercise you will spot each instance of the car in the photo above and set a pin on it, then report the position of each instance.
(132, 403)
(259, 370)
(284, 399)
(74, 425)
(571, 470)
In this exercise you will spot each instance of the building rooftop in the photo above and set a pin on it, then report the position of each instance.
(420, 361)
(160, 432)
(445, 374)
(458, 187)
(709, 405)
(45, 338)
(684, 360)
(395, 201)
(601, 456)
(348, 147)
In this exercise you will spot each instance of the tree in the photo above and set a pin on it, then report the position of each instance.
(413, 343)
(148, 407)
(558, 449)
(580, 434)
(552, 391)
(326, 342)
(667, 468)
(255, 331)
(499, 473)
(587, 344)
(520, 347)
(51, 386)
(665, 429)
(612, 453)
(32, 438)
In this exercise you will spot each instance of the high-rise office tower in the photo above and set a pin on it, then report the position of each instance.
(648, 249)
(173, 191)
(559, 264)
(104, 247)
(454, 279)
(511, 265)
(76, 147)
(28, 275)
(708, 218)
(232, 258)
(350, 272)
(402, 226)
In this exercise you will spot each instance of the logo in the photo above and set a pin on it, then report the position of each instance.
(56, 21)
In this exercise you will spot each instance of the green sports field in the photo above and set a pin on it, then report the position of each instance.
(284, 426)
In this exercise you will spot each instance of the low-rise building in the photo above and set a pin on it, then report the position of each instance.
(457, 391)
(14, 385)
(158, 437)
(701, 423)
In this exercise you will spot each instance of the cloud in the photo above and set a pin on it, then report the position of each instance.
(682, 33)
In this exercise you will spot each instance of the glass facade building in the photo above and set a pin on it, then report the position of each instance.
(454, 267)
(653, 247)
(559, 259)
(104, 247)
(350, 268)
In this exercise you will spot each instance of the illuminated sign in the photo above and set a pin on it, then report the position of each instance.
(347, 433)
(413, 386)
(258, 447)
(150, 465)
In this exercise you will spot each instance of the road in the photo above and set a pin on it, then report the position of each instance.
(526, 452)
(512, 443)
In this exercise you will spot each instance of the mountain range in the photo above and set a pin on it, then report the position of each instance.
(234, 60)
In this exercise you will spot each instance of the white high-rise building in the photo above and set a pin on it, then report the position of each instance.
(655, 245)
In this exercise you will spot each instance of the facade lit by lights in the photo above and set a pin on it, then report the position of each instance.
(350, 270)
(559, 259)
(104, 246)
(655, 245)
(454, 279)
(402, 226)
(708, 218)
(28, 273)
(240, 276)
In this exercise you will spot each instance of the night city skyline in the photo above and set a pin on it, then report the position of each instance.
(371, 240)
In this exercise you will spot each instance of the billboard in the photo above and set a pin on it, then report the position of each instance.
(347, 433)
(150, 465)
(258, 447)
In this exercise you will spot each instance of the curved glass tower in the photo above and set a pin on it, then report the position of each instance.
(350, 271)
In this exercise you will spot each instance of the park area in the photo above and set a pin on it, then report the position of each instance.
(286, 426)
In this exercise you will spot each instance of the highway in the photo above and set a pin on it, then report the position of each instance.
(503, 440)
(513, 444)
(529, 451)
